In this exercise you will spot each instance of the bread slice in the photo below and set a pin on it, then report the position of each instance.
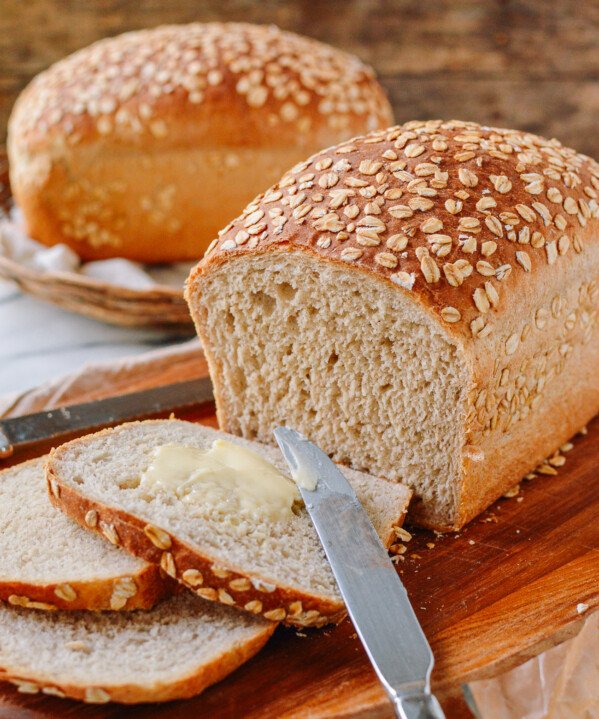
(172, 651)
(277, 569)
(48, 562)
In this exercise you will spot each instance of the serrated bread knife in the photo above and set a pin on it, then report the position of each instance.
(30, 428)
(376, 600)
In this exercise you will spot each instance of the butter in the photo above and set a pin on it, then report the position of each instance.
(304, 479)
(226, 477)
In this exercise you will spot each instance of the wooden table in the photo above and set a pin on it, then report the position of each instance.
(529, 64)
(501, 591)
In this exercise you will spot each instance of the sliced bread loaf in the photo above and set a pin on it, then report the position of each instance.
(48, 562)
(274, 568)
(170, 652)
(421, 302)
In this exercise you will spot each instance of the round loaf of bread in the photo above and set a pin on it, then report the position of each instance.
(144, 145)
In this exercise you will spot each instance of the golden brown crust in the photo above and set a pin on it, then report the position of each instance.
(492, 232)
(137, 591)
(188, 85)
(458, 214)
(108, 128)
(134, 694)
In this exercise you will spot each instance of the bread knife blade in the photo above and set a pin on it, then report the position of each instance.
(376, 600)
(17, 432)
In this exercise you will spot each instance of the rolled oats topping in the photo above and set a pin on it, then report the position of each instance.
(120, 85)
(461, 214)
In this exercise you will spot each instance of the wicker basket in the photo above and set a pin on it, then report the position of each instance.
(161, 307)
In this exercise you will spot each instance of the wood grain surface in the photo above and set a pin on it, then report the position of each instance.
(499, 592)
(528, 64)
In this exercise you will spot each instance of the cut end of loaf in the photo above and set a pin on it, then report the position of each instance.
(362, 370)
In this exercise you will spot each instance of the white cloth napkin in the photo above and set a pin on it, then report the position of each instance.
(94, 378)
(16, 245)
(561, 683)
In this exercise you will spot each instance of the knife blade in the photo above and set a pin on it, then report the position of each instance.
(376, 600)
(30, 428)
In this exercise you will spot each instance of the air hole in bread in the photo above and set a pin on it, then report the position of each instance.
(292, 323)
(285, 291)
(265, 302)
(237, 379)
(129, 482)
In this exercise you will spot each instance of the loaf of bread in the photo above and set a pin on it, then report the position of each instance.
(144, 145)
(276, 568)
(48, 562)
(173, 651)
(421, 302)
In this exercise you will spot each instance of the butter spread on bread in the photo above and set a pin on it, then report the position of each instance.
(227, 478)
(276, 569)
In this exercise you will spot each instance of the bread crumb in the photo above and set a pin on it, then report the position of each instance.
(79, 647)
(547, 469)
(430, 545)
(398, 548)
(513, 492)
(402, 534)
(557, 460)
(471, 541)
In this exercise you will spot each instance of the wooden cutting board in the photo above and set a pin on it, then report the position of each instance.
(501, 591)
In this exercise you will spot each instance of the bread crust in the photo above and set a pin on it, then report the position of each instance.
(98, 144)
(494, 234)
(98, 595)
(219, 580)
(144, 588)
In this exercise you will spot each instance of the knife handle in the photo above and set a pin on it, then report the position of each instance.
(418, 706)
(6, 448)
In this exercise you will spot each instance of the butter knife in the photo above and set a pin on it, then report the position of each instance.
(376, 600)
(17, 432)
